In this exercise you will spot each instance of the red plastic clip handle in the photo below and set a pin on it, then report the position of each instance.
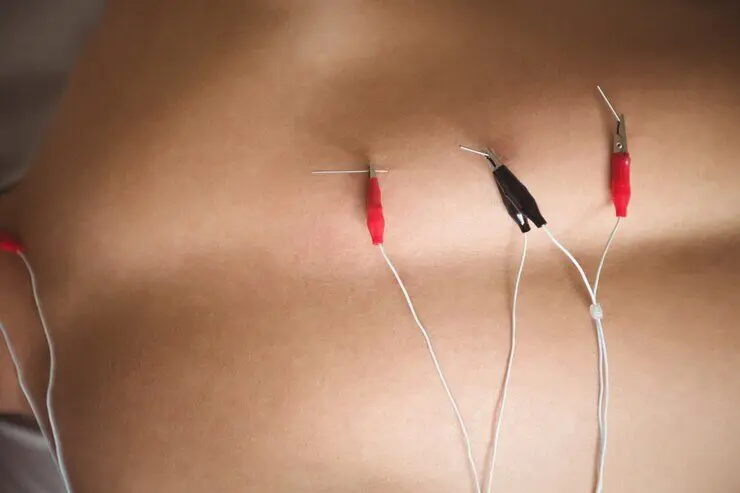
(375, 219)
(10, 244)
(621, 189)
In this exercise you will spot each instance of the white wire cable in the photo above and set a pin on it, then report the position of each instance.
(57, 445)
(603, 384)
(603, 399)
(437, 366)
(603, 254)
(604, 361)
(603, 405)
(509, 365)
(26, 391)
(574, 262)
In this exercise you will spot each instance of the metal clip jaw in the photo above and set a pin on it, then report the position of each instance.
(620, 136)
(494, 160)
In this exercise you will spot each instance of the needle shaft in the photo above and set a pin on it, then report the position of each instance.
(475, 151)
(609, 103)
(346, 172)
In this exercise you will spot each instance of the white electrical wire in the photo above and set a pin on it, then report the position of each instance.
(574, 262)
(509, 364)
(26, 391)
(57, 445)
(437, 366)
(601, 342)
(604, 396)
(603, 254)
(603, 399)
(603, 405)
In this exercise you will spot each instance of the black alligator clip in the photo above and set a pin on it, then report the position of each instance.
(519, 203)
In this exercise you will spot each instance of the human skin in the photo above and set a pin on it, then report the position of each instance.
(223, 323)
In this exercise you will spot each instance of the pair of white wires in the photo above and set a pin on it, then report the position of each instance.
(603, 370)
(507, 375)
(53, 441)
(597, 314)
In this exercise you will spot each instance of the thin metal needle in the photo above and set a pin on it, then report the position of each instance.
(346, 172)
(475, 151)
(609, 103)
(493, 160)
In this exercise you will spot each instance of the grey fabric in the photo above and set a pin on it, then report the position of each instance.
(39, 41)
(26, 464)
